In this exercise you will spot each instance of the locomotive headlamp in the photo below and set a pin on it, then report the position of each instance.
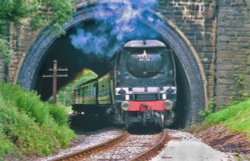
(164, 96)
(125, 105)
(168, 105)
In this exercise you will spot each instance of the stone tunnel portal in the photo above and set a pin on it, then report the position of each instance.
(190, 82)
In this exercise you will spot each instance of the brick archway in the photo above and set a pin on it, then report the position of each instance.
(192, 74)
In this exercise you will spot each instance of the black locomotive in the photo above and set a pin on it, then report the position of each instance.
(141, 88)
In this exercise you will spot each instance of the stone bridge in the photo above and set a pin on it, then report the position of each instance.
(210, 39)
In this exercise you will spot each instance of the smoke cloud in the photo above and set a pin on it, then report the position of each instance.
(120, 22)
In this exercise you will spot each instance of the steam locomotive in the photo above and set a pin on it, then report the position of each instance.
(140, 89)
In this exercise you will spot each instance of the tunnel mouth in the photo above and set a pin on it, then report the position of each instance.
(48, 47)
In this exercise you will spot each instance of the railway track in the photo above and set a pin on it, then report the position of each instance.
(124, 147)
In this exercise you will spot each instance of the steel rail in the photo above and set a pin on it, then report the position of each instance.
(152, 152)
(75, 156)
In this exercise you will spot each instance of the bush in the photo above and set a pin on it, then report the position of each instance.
(59, 115)
(30, 126)
(6, 146)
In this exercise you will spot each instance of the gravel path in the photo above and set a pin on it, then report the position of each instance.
(87, 141)
(127, 149)
(186, 147)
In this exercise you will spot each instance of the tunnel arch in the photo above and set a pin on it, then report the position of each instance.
(192, 72)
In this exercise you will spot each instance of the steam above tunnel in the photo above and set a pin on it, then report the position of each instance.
(91, 42)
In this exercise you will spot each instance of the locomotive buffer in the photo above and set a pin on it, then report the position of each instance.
(54, 77)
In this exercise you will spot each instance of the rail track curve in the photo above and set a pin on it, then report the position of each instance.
(124, 147)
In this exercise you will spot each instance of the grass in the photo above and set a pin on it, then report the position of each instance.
(236, 117)
(29, 126)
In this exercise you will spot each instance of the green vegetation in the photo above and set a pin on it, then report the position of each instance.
(211, 109)
(235, 117)
(64, 93)
(40, 12)
(29, 126)
(37, 13)
(241, 88)
(5, 51)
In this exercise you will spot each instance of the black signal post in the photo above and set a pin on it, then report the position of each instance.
(54, 75)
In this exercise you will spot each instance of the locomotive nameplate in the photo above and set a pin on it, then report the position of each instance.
(144, 57)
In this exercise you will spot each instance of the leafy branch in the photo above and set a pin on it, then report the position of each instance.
(41, 13)
(5, 51)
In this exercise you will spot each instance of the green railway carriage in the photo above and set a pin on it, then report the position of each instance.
(93, 96)
(105, 93)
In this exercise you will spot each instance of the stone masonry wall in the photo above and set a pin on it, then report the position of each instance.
(196, 19)
(21, 39)
(233, 51)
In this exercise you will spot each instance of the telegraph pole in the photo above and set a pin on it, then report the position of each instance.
(54, 77)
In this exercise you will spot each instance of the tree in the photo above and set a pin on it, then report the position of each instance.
(40, 12)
